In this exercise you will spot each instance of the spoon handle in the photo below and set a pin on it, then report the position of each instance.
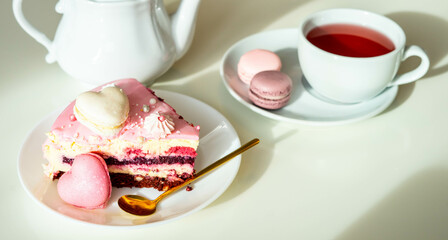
(211, 167)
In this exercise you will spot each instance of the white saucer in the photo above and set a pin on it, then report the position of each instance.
(303, 108)
(217, 138)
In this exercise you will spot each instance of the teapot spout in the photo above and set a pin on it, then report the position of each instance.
(183, 24)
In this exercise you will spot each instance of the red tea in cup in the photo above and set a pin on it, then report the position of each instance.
(372, 47)
(350, 40)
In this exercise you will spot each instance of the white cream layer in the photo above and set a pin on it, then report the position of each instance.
(53, 148)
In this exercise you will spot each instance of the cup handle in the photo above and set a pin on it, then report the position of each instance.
(32, 31)
(417, 73)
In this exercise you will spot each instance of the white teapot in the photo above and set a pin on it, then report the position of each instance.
(101, 40)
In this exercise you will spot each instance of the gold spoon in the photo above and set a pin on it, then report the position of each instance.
(141, 206)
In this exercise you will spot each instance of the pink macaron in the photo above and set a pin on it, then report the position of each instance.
(87, 184)
(270, 89)
(256, 61)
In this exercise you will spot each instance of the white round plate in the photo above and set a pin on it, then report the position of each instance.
(217, 138)
(303, 107)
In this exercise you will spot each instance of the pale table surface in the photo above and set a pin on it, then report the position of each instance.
(382, 178)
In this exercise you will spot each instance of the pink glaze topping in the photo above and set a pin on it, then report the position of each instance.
(87, 184)
(140, 99)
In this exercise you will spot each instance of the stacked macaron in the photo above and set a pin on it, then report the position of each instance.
(269, 88)
(255, 61)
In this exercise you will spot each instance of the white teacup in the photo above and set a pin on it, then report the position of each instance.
(349, 79)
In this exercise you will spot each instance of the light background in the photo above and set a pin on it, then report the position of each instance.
(382, 178)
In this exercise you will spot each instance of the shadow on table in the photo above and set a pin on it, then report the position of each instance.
(417, 209)
(220, 24)
(255, 161)
(428, 32)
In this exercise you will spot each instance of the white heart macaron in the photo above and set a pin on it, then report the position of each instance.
(103, 112)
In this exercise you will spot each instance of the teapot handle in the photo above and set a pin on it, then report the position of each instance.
(32, 31)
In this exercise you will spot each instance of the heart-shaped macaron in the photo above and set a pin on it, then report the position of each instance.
(87, 184)
(103, 112)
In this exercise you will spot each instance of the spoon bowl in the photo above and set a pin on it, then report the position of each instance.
(141, 206)
(137, 205)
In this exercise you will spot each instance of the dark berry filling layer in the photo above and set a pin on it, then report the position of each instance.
(143, 160)
(150, 161)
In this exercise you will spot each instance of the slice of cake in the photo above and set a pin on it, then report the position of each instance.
(144, 142)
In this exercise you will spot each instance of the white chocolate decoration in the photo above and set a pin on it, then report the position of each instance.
(159, 125)
(103, 112)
